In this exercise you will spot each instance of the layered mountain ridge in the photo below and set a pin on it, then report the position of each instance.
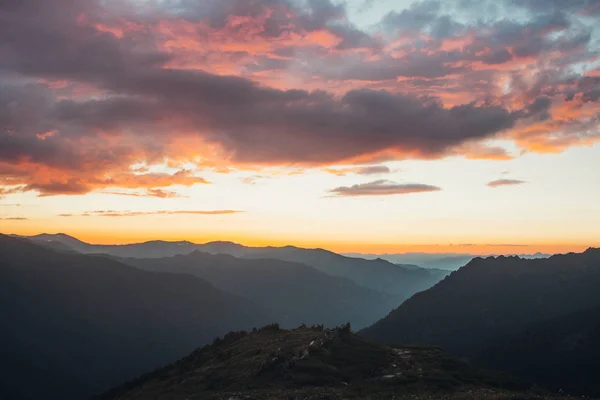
(397, 280)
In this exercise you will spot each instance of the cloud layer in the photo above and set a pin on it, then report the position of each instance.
(90, 88)
(382, 188)
(505, 182)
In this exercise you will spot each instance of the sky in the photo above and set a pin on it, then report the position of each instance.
(357, 126)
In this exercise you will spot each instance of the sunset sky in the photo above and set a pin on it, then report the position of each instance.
(359, 125)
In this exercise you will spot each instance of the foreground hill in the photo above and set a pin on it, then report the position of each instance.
(491, 299)
(312, 363)
(561, 353)
(74, 325)
(397, 280)
(293, 293)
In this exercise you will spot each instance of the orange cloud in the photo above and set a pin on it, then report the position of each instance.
(49, 181)
(160, 193)
(277, 83)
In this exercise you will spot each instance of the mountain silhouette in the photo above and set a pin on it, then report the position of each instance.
(378, 274)
(397, 280)
(443, 261)
(490, 300)
(293, 293)
(150, 249)
(75, 325)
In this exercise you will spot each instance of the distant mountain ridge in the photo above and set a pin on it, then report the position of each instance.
(444, 261)
(375, 274)
(150, 249)
(401, 281)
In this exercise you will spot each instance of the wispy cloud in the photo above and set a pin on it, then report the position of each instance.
(14, 219)
(115, 213)
(382, 188)
(160, 193)
(366, 170)
(6, 190)
(253, 180)
(505, 182)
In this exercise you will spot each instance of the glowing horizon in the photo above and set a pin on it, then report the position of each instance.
(355, 126)
(110, 238)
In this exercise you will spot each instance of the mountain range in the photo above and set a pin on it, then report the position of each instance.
(292, 293)
(401, 281)
(443, 261)
(69, 303)
(81, 318)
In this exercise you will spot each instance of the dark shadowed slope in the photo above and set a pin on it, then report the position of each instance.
(491, 297)
(397, 280)
(560, 353)
(310, 364)
(538, 319)
(294, 293)
(75, 324)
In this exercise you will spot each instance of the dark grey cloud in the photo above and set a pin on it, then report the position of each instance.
(589, 88)
(499, 56)
(425, 16)
(415, 64)
(505, 182)
(592, 7)
(261, 124)
(531, 38)
(363, 170)
(71, 186)
(373, 170)
(353, 38)
(284, 16)
(382, 188)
